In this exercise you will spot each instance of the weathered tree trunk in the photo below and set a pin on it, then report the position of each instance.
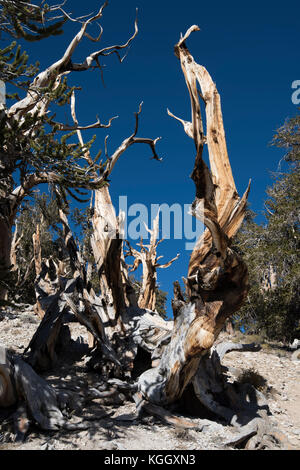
(14, 247)
(37, 252)
(229, 327)
(33, 398)
(217, 277)
(57, 296)
(107, 243)
(216, 285)
(269, 281)
(217, 281)
(37, 256)
(147, 256)
(5, 251)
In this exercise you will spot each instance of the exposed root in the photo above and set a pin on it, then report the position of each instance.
(35, 399)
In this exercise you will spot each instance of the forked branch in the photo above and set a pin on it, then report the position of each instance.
(147, 256)
(34, 100)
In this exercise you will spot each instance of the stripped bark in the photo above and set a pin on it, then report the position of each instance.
(106, 243)
(116, 291)
(37, 252)
(107, 239)
(14, 247)
(37, 255)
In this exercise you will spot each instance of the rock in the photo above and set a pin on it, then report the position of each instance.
(282, 440)
(210, 426)
(47, 446)
(295, 344)
(296, 355)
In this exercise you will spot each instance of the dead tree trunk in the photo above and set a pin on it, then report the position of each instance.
(37, 255)
(33, 398)
(117, 293)
(107, 243)
(5, 251)
(217, 281)
(147, 256)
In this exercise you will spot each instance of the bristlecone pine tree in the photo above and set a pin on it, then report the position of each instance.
(181, 366)
(272, 249)
(35, 148)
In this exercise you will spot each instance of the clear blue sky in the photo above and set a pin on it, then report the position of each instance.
(252, 51)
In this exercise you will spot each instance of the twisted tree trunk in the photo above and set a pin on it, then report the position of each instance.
(217, 281)
(107, 242)
(147, 257)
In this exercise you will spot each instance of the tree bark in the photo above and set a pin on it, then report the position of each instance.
(229, 327)
(107, 243)
(147, 257)
(5, 252)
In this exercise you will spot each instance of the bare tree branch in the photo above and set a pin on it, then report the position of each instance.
(96, 125)
(65, 65)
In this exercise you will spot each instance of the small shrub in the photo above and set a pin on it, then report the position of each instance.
(259, 339)
(251, 376)
(183, 435)
(267, 347)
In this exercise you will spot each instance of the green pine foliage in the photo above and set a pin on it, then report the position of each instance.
(161, 302)
(14, 68)
(271, 251)
(35, 142)
(41, 210)
(32, 22)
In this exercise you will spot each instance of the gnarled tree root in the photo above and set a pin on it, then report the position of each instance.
(259, 434)
(35, 399)
(240, 405)
(237, 405)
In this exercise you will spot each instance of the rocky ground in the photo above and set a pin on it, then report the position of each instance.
(112, 427)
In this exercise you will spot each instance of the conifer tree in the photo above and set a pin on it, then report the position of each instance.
(272, 249)
(29, 21)
(35, 148)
